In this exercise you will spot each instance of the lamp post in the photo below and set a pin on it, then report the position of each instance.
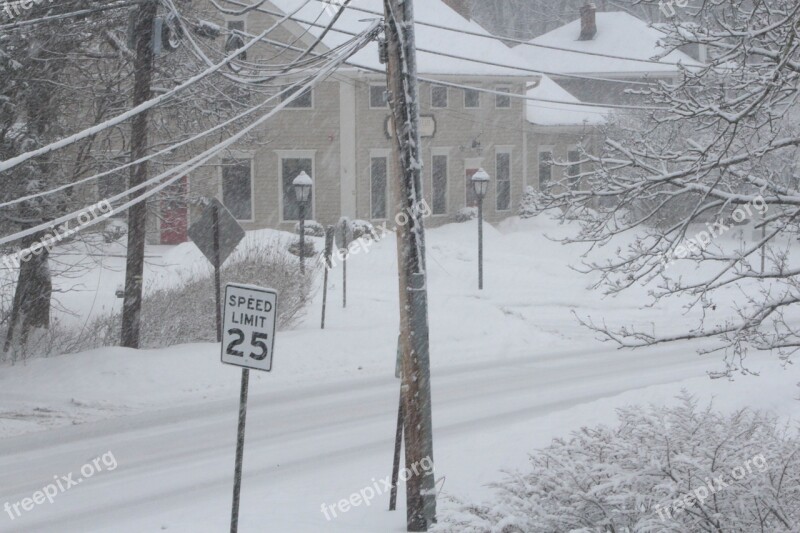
(480, 181)
(302, 190)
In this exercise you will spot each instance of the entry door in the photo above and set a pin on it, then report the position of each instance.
(175, 213)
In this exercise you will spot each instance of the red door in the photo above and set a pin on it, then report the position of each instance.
(175, 213)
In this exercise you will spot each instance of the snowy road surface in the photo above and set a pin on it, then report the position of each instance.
(315, 445)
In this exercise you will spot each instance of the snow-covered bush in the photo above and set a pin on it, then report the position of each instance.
(309, 249)
(465, 214)
(312, 228)
(662, 469)
(527, 207)
(114, 230)
(362, 228)
(184, 312)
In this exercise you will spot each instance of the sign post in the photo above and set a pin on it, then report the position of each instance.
(248, 341)
(328, 253)
(216, 234)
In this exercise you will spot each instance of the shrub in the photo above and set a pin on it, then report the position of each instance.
(312, 228)
(465, 214)
(362, 228)
(309, 250)
(527, 208)
(659, 470)
(184, 312)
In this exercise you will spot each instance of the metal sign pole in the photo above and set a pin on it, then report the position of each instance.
(328, 253)
(237, 476)
(344, 267)
(398, 441)
(217, 282)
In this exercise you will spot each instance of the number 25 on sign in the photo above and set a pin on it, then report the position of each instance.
(248, 333)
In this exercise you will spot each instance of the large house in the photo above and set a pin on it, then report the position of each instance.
(338, 133)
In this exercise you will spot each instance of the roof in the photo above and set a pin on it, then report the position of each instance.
(618, 34)
(549, 114)
(434, 11)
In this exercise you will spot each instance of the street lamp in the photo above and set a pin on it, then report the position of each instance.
(480, 181)
(302, 190)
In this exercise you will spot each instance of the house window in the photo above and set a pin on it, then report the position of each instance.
(236, 25)
(377, 96)
(574, 169)
(545, 168)
(472, 98)
(439, 96)
(503, 101)
(378, 185)
(439, 165)
(290, 169)
(503, 171)
(237, 187)
(304, 101)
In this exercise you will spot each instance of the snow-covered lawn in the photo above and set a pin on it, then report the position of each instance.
(511, 370)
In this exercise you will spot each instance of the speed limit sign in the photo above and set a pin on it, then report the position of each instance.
(248, 332)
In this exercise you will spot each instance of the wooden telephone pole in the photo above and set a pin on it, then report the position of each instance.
(137, 214)
(403, 87)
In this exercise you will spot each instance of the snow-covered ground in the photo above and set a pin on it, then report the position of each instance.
(511, 370)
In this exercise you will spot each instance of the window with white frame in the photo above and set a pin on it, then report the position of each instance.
(291, 167)
(472, 98)
(237, 187)
(304, 101)
(545, 167)
(503, 101)
(439, 171)
(439, 96)
(379, 179)
(574, 168)
(503, 180)
(377, 96)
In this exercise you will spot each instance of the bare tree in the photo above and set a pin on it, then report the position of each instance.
(721, 148)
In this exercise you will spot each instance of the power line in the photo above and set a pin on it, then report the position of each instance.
(518, 41)
(94, 130)
(468, 59)
(73, 14)
(198, 160)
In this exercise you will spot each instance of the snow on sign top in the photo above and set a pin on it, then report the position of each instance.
(618, 34)
(433, 11)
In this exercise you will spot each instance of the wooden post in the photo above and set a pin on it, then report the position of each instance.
(328, 254)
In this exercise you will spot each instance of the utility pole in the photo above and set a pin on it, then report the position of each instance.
(403, 88)
(137, 214)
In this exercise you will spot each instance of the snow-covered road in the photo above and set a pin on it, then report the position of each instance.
(313, 445)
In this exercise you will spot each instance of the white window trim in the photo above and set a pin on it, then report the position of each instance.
(369, 96)
(542, 149)
(445, 152)
(312, 90)
(447, 98)
(480, 98)
(510, 151)
(378, 154)
(236, 154)
(298, 154)
(500, 88)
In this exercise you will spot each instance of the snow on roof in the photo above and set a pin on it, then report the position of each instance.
(548, 114)
(618, 34)
(434, 11)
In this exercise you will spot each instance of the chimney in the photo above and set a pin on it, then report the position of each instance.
(462, 7)
(588, 22)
